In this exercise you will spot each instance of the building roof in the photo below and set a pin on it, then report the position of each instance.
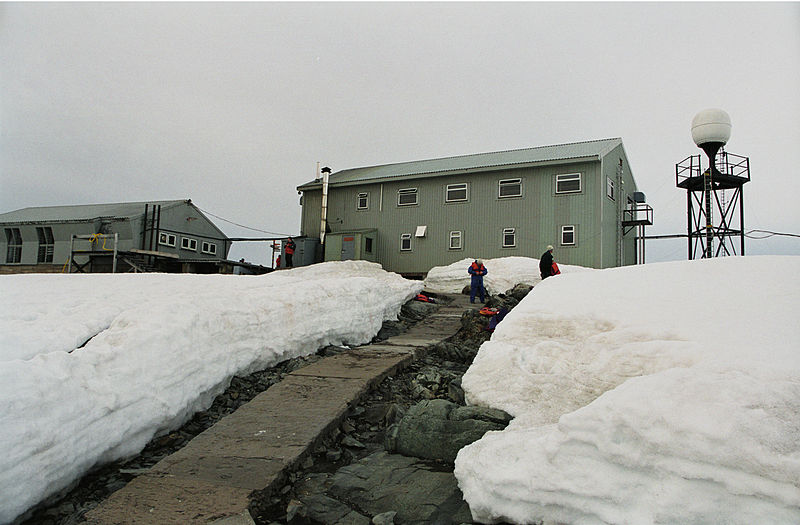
(83, 212)
(588, 150)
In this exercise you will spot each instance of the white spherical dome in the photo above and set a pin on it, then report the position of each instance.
(711, 125)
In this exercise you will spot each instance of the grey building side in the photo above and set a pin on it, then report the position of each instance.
(513, 203)
(173, 236)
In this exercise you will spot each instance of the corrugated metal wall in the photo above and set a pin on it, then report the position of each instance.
(537, 217)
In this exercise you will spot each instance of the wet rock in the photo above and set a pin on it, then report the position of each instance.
(417, 490)
(386, 518)
(430, 431)
(417, 310)
(519, 291)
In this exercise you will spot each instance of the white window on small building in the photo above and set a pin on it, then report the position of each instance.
(46, 244)
(456, 192)
(568, 235)
(610, 188)
(405, 242)
(363, 201)
(407, 197)
(509, 237)
(568, 183)
(209, 248)
(188, 243)
(167, 239)
(14, 249)
(455, 240)
(509, 188)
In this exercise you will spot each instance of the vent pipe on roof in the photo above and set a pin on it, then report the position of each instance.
(323, 222)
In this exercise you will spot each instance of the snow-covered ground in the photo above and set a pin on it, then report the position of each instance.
(657, 394)
(503, 274)
(664, 393)
(160, 347)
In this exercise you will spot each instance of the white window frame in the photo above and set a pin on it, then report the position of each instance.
(569, 229)
(209, 248)
(187, 243)
(569, 177)
(455, 241)
(610, 188)
(46, 244)
(407, 191)
(167, 239)
(14, 247)
(458, 187)
(405, 242)
(508, 183)
(513, 233)
(365, 196)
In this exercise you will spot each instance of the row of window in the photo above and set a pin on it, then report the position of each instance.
(14, 245)
(509, 238)
(47, 244)
(187, 243)
(459, 192)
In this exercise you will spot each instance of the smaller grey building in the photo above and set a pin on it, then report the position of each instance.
(166, 236)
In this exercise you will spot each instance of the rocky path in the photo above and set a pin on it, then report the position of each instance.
(353, 475)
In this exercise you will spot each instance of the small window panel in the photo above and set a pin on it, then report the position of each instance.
(421, 231)
(167, 239)
(368, 245)
(14, 250)
(510, 188)
(46, 244)
(569, 183)
(568, 235)
(363, 201)
(209, 247)
(188, 244)
(610, 188)
(509, 237)
(407, 197)
(456, 192)
(405, 242)
(455, 240)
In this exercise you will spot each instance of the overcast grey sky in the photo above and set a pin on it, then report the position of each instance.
(233, 104)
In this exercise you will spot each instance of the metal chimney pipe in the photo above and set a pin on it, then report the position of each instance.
(323, 222)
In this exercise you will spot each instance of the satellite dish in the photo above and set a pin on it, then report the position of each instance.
(711, 126)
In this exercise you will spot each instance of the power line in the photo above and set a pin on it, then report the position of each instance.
(768, 234)
(242, 225)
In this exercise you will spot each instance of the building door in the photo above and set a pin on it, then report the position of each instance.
(348, 248)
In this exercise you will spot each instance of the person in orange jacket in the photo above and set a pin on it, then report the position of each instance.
(477, 270)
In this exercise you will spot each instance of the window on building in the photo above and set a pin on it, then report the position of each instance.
(188, 244)
(14, 250)
(209, 247)
(368, 245)
(167, 239)
(405, 242)
(407, 197)
(456, 192)
(363, 201)
(510, 188)
(455, 240)
(568, 183)
(46, 244)
(610, 188)
(568, 235)
(509, 237)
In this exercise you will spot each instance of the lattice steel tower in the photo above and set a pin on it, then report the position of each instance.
(714, 219)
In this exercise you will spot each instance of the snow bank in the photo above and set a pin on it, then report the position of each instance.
(504, 274)
(665, 393)
(162, 347)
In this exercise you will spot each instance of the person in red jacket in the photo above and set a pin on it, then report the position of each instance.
(289, 251)
(477, 270)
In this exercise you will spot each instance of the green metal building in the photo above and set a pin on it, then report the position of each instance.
(413, 216)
